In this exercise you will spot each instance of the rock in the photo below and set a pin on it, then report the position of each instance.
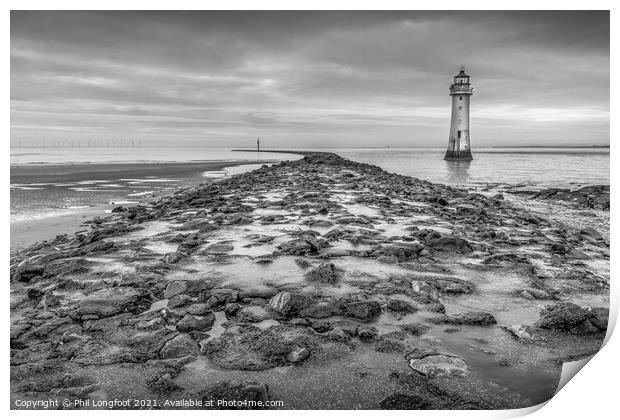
(320, 224)
(453, 285)
(467, 318)
(231, 309)
(253, 313)
(533, 294)
(592, 233)
(367, 333)
(449, 244)
(176, 363)
(439, 364)
(26, 272)
(49, 300)
(98, 246)
(592, 196)
(325, 273)
(191, 323)
(152, 324)
(414, 328)
(425, 289)
(107, 302)
(172, 257)
(288, 304)
(299, 321)
(198, 224)
(302, 263)
(222, 297)
(526, 295)
(221, 248)
(399, 252)
(179, 346)
(570, 318)
(178, 300)
(174, 288)
(66, 266)
(297, 247)
(506, 258)
(364, 310)
(520, 331)
(398, 305)
(162, 383)
(250, 348)
(334, 234)
(297, 355)
(320, 310)
(199, 309)
(338, 334)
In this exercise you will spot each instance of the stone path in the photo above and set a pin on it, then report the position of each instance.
(322, 283)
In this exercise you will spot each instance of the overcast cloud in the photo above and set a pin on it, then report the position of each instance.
(308, 79)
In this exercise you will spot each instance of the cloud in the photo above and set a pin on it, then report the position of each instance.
(308, 79)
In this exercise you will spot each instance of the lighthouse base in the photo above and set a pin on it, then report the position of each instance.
(458, 155)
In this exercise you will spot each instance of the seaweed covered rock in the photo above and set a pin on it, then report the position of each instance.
(192, 323)
(179, 346)
(250, 348)
(430, 363)
(325, 273)
(26, 272)
(107, 302)
(365, 310)
(449, 244)
(466, 318)
(571, 318)
(290, 303)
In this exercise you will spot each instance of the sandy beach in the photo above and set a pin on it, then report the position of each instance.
(50, 200)
(317, 283)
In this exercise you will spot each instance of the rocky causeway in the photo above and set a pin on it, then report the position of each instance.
(322, 283)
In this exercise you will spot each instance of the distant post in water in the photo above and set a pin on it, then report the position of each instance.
(258, 144)
(459, 147)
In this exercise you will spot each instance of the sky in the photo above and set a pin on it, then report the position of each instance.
(307, 79)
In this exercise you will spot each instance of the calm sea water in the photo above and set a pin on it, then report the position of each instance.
(561, 167)
(529, 167)
(35, 205)
(44, 156)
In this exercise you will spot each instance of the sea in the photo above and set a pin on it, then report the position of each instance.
(33, 199)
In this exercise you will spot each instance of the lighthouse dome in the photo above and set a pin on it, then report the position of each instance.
(462, 72)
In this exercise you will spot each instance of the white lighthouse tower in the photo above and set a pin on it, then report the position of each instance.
(459, 147)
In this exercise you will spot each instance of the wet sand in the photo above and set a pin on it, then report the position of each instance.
(50, 200)
(322, 283)
(28, 174)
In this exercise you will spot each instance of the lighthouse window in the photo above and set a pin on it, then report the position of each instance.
(460, 108)
(460, 98)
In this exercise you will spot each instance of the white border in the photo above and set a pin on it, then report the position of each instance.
(592, 395)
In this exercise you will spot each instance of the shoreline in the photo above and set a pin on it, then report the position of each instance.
(63, 220)
(389, 291)
(110, 171)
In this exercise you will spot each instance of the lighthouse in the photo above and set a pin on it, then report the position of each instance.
(459, 147)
